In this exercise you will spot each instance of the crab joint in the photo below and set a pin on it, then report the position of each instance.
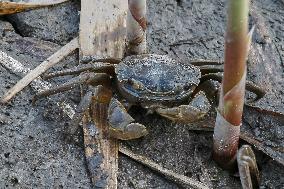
(136, 27)
(248, 170)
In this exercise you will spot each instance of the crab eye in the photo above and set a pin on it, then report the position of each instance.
(188, 86)
(135, 84)
(130, 81)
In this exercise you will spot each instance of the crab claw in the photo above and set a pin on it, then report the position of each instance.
(248, 170)
(196, 109)
(121, 123)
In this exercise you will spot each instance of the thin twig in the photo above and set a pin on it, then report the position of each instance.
(11, 64)
(37, 84)
(180, 179)
(191, 41)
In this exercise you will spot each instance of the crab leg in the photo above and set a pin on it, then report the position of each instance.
(86, 78)
(202, 62)
(98, 67)
(208, 66)
(211, 70)
(248, 170)
(121, 124)
(197, 108)
(250, 86)
(79, 113)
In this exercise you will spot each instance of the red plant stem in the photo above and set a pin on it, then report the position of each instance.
(136, 27)
(229, 117)
(236, 48)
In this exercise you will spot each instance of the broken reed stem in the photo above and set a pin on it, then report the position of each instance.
(230, 109)
(136, 27)
(15, 7)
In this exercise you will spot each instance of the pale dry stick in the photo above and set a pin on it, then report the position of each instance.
(37, 84)
(136, 27)
(102, 31)
(33, 74)
(180, 179)
(15, 7)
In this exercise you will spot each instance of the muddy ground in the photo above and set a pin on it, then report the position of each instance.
(33, 152)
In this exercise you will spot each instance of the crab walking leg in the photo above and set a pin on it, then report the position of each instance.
(250, 86)
(211, 70)
(208, 66)
(15, 7)
(248, 170)
(79, 113)
(196, 109)
(100, 149)
(136, 27)
(85, 78)
(121, 123)
(98, 67)
(202, 62)
(32, 75)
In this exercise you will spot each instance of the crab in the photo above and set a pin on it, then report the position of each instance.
(175, 90)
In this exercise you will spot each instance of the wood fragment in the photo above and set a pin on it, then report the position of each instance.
(32, 75)
(102, 35)
(103, 28)
(101, 151)
(15, 7)
(169, 174)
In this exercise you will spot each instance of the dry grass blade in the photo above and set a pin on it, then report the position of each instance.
(32, 75)
(15, 7)
(180, 179)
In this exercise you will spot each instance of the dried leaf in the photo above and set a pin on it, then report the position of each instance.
(15, 7)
